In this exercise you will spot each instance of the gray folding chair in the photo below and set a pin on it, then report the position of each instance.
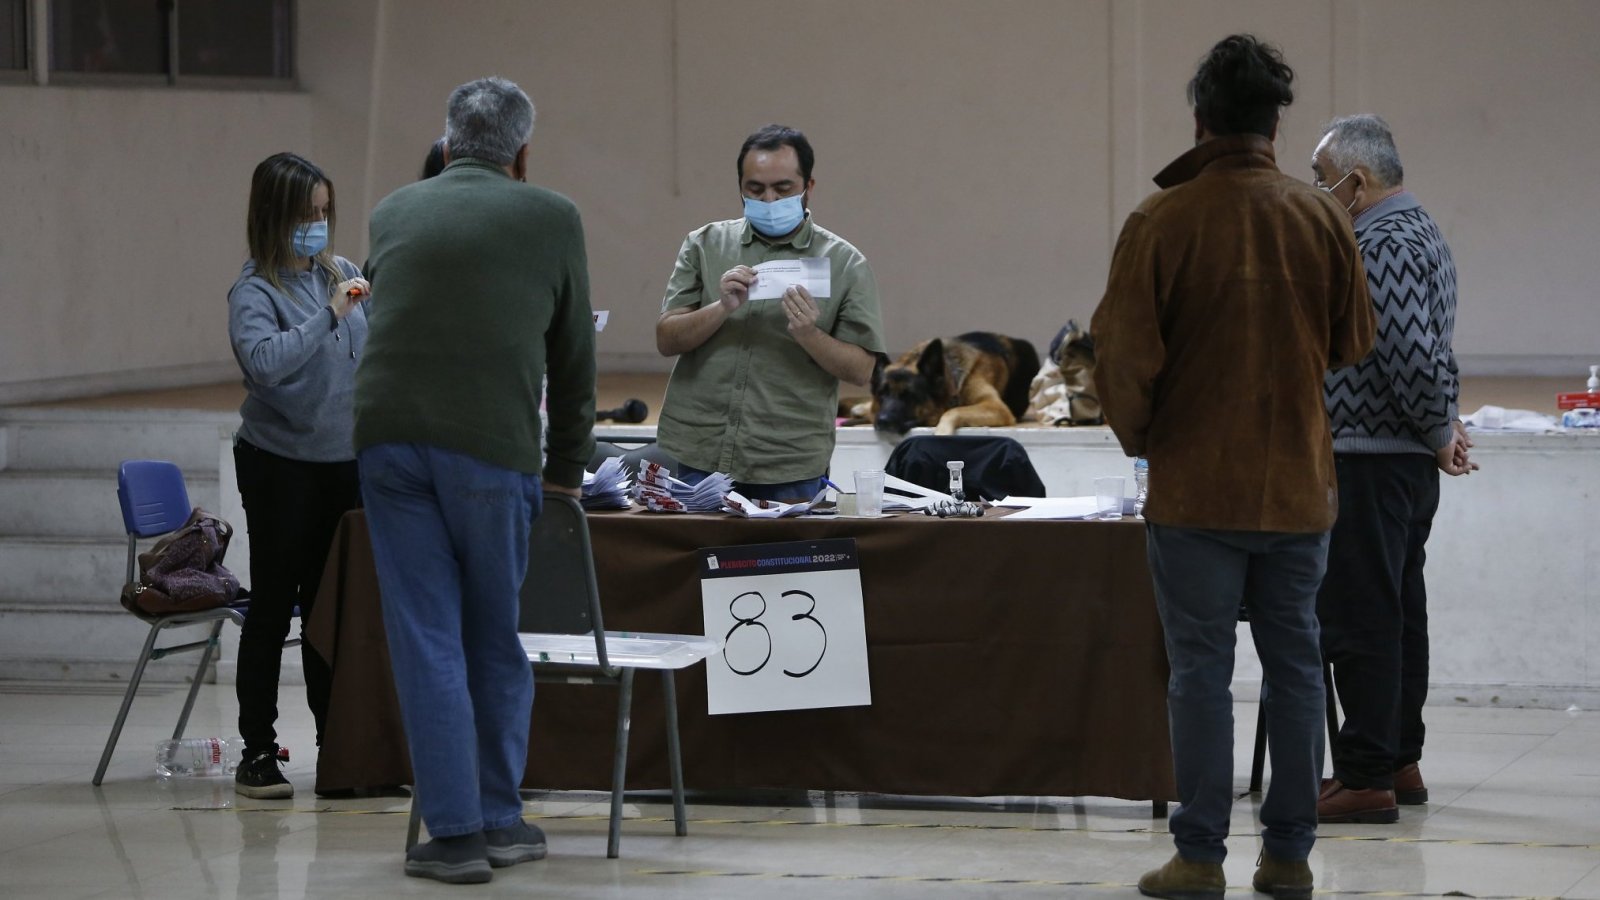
(564, 635)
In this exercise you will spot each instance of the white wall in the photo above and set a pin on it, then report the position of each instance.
(982, 155)
(121, 228)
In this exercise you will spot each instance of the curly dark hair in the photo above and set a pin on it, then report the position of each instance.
(1240, 87)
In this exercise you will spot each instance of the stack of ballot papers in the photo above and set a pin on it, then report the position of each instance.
(657, 491)
(607, 486)
(739, 505)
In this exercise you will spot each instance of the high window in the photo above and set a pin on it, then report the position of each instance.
(171, 41)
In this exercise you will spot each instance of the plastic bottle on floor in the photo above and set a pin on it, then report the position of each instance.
(198, 756)
(1141, 484)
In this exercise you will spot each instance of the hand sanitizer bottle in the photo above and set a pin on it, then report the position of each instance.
(957, 490)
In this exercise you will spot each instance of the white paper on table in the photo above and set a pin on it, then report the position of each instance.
(1056, 508)
(1019, 502)
(919, 498)
(775, 276)
(601, 316)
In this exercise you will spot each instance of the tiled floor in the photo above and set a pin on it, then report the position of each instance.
(1515, 812)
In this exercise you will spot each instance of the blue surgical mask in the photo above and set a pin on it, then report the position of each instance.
(310, 238)
(777, 218)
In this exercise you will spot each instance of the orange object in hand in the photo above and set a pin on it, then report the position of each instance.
(355, 292)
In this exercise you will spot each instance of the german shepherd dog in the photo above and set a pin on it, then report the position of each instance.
(978, 378)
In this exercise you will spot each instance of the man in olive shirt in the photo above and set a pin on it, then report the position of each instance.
(755, 389)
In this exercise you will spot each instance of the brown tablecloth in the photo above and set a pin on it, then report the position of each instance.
(1007, 658)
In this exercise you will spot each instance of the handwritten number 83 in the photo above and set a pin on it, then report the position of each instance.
(752, 622)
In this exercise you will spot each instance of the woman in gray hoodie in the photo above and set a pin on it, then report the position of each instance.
(297, 321)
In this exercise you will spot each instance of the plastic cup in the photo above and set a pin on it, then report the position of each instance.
(1108, 496)
(869, 492)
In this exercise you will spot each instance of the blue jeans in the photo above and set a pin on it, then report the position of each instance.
(1201, 579)
(450, 541)
(783, 492)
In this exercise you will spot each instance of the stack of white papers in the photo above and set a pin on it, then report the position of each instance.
(607, 487)
(1498, 418)
(658, 491)
(737, 504)
(1051, 507)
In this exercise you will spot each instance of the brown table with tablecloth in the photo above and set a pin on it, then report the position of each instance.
(1007, 658)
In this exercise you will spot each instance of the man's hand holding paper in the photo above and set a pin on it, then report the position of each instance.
(776, 276)
(734, 288)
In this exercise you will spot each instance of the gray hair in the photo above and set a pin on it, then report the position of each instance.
(488, 119)
(1364, 140)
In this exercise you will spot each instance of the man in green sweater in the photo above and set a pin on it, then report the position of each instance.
(486, 290)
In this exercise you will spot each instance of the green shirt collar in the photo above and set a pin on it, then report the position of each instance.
(472, 162)
(800, 240)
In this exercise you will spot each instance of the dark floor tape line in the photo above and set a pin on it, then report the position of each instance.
(1013, 882)
(900, 879)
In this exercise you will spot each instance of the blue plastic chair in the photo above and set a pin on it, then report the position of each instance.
(155, 502)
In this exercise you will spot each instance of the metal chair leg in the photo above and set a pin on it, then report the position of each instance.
(199, 673)
(1259, 764)
(619, 763)
(127, 702)
(669, 690)
(1333, 700)
(414, 825)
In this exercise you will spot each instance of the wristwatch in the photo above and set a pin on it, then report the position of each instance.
(333, 324)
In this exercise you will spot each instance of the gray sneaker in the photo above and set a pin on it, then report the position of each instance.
(453, 860)
(516, 843)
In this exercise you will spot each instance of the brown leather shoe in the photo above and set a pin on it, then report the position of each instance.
(1408, 787)
(1373, 806)
(1329, 785)
(1283, 879)
(1182, 879)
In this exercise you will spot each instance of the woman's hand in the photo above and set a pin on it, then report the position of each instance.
(348, 294)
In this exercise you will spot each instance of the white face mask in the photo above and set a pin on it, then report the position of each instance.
(1329, 189)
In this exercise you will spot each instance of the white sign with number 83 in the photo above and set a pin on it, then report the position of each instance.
(791, 640)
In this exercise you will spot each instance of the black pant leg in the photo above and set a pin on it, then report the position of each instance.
(1360, 611)
(1414, 607)
(275, 496)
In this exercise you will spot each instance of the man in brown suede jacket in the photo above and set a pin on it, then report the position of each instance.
(1232, 291)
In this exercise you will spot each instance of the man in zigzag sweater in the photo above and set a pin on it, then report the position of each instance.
(1394, 425)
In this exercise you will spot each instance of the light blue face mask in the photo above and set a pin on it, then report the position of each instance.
(310, 238)
(777, 218)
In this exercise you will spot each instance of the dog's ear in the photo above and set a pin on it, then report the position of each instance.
(930, 365)
(878, 362)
